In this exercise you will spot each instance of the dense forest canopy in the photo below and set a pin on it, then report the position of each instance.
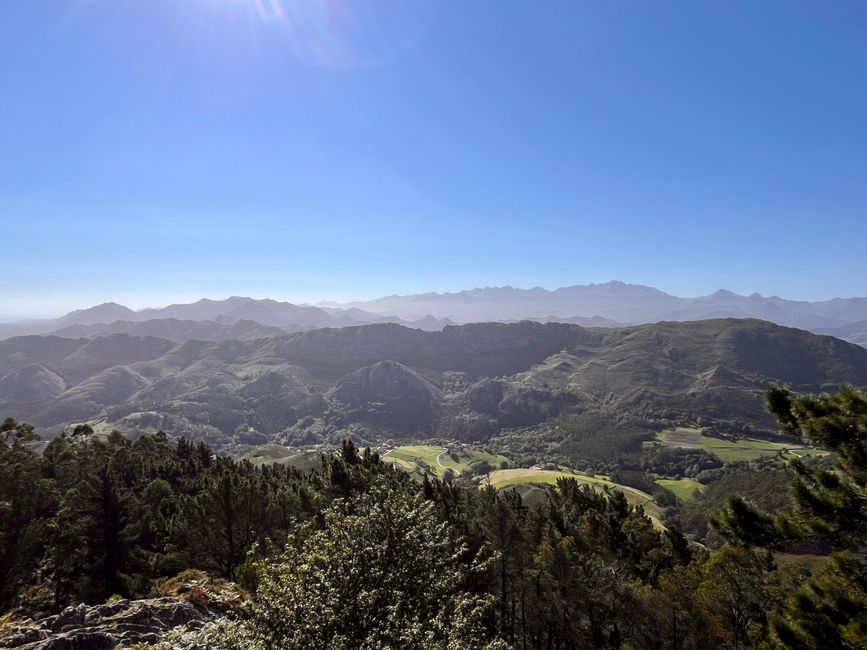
(355, 553)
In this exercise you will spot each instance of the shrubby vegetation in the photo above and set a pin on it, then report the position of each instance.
(355, 554)
(765, 483)
(676, 462)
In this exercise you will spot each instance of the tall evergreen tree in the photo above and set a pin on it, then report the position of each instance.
(27, 501)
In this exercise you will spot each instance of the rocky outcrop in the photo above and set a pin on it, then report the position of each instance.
(117, 624)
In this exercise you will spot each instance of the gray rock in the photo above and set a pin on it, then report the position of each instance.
(118, 624)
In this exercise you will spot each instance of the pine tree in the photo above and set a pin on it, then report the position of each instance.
(829, 507)
(26, 503)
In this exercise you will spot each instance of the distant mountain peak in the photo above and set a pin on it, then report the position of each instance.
(604, 304)
(106, 312)
(724, 293)
(105, 306)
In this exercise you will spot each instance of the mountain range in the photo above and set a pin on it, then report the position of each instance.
(610, 304)
(620, 302)
(473, 382)
(210, 320)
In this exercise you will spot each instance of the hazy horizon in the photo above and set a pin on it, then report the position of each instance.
(340, 151)
(138, 303)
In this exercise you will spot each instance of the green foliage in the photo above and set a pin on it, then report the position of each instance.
(639, 480)
(353, 553)
(732, 594)
(377, 571)
(764, 483)
(95, 516)
(676, 462)
(600, 436)
(26, 503)
(830, 609)
(13, 432)
(829, 507)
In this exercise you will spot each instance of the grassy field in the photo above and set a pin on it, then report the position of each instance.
(683, 488)
(506, 478)
(730, 451)
(415, 458)
(278, 454)
(267, 454)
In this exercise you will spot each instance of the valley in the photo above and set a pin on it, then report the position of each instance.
(412, 325)
(530, 391)
(650, 426)
(631, 440)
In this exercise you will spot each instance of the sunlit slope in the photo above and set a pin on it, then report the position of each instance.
(438, 460)
(506, 478)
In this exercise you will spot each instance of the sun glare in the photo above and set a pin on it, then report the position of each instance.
(325, 32)
(334, 33)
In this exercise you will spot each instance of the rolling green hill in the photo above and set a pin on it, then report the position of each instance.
(508, 478)
(438, 460)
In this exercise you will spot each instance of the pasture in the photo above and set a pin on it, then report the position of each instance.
(730, 451)
(506, 478)
(437, 459)
(683, 488)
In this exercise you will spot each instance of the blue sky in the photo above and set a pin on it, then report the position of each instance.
(173, 149)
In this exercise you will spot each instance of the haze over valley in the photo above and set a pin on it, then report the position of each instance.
(485, 365)
(609, 304)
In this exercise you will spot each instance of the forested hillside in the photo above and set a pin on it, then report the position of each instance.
(355, 553)
(480, 382)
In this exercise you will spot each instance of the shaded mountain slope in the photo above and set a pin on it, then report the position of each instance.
(469, 381)
(213, 320)
(174, 330)
(855, 332)
(31, 384)
(390, 395)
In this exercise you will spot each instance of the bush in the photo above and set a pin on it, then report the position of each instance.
(383, 572)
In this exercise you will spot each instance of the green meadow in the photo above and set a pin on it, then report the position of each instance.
(683, 488)
(437, 459)
(506, 478)
(730, 451)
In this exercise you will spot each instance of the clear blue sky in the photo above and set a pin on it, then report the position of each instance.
(170, 149)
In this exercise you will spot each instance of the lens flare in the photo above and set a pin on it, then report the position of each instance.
(338, 33)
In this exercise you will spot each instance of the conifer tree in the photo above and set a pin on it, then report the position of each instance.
(829, 507)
